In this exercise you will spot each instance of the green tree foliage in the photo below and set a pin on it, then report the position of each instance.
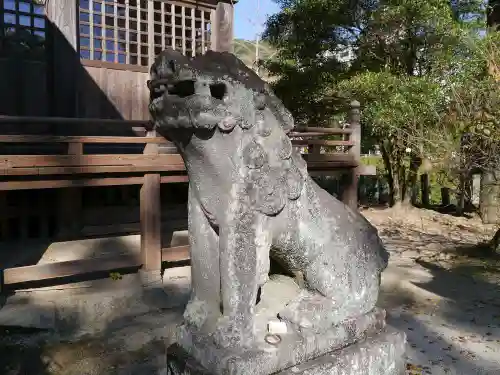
(400, 114)
(310, 37)
(408, 58)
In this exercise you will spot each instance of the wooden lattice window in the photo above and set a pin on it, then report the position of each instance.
(22, 28)
(135, 31)
(182, 27)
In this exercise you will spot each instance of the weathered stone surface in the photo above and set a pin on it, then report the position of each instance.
(250, 198)
(381, 354)
(378, 354)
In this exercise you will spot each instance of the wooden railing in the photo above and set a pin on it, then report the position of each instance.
(149, 168)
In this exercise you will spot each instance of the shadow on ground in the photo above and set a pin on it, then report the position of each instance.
(452, 323)
(471, 297)
(432, 351)
(101, 325)
(127, 346)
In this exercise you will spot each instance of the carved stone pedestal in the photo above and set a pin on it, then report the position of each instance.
(364, 346)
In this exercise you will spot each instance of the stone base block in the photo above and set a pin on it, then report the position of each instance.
(354, 344)
(380, 354)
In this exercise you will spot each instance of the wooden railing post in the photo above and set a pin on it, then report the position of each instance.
(150, 212)
(350, 187)
(70, 210)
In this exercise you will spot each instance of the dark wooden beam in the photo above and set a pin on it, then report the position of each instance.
(32, 161)
(70, 268)
(76, 171)
(321, 142)
(324, 131)
(57, 184)
(72, 139)
(175, 254)
(27, 120)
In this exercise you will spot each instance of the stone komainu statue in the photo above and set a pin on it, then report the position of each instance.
(251, 198)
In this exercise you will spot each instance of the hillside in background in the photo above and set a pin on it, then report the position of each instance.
(245, 50)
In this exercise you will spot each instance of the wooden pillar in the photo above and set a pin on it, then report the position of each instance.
(350, 187)
(64, 58)
(222, 28)
(150, 211)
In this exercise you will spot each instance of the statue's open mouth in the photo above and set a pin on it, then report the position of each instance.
(157, 87)
(181, 89)
(165, 91)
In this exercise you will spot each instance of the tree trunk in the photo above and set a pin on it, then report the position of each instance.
(493, 17)
(400, 180)
(489, 201)
(410, 193)
(390, 175)
(397, 196)
(461, 195)
(495, 243)
(424, 186)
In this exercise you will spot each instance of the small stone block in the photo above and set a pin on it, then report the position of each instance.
(276, 327)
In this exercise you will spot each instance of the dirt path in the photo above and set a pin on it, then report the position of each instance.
(442, 291)
(438, 288)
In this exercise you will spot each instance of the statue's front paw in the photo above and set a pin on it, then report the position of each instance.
(312, 312)
(232, 333)
(196, 313)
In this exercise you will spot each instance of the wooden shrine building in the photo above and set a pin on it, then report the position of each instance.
(78, 158)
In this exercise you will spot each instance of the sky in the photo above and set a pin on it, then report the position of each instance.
(250, 18)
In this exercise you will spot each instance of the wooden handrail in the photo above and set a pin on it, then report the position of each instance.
(307, 134)
(79, 164)
(22, 120)
(307, 129)
(321, 142)
(75, 139)
(300, 131)
(30, 161)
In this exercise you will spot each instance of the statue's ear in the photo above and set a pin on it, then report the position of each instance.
(172, 66)
(169, 63)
